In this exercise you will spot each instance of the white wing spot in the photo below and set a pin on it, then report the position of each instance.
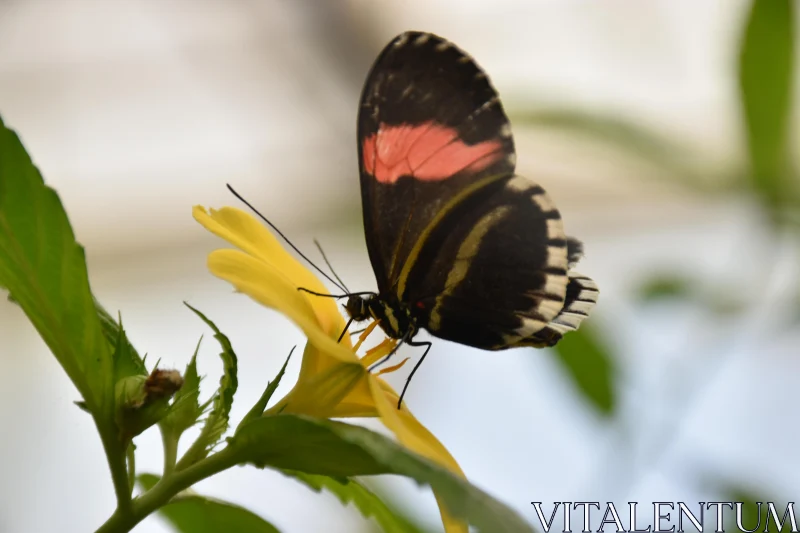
(557, 286)
(583, 307)
(557, 258)
(554, 228)
(505, 130)
(518, 184)
(489, 103)
(442, 46)
(543, 201)
(529, 327)
(401, 40)
(512, 159)
(422, 39)
(550, 307)
(464, 59)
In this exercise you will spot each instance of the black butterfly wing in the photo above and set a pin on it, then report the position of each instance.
(430, 129)
(477, 254)
(495, 272)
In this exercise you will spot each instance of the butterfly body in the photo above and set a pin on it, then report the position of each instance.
(394, 317)
(460, 245)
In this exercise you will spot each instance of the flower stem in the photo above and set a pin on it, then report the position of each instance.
(130, 454)
(164, 490)
(115, 454)
(170, 444)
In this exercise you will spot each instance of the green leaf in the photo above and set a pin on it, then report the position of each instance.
(111, 331)
(589, 365)
(218, 418)
(291, 442)
(186, 408)
(258, 409)
(666, 286)
(126, 361)
(629, 137)
(718, 299)
(368, 504)
(324, 447)
(750, 511)
(44, 269)
(197, 514)
(765, 82)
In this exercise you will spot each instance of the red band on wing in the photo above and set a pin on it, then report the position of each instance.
(428, 152)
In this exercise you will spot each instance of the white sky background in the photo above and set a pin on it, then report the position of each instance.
(137, 110)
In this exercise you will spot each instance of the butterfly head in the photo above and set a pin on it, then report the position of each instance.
(358, 306)
(394, 319)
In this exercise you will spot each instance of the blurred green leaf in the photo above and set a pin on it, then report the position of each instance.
(218, 419)
(44, 269)
(631, 138)
(324, 447)
(665, 286)
(368, 504)
(765, 81)
(717, 298)
(588, 362)
(197, 514)
(750, 516)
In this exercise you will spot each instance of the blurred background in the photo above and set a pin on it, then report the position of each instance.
(667, 148)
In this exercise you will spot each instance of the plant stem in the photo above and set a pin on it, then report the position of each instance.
(130, 454)
(164, 490)
(170, 444)
(115, 454)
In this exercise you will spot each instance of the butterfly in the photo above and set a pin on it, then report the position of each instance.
(460, 245)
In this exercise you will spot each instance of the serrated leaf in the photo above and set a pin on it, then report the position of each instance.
(111, 331)
(126, 361)
(588, 363)
(44, 269)
(186, 407)
(198, 514)
(258, 409)
(335, 449)
(218, 418)
(766, 61)
(368, 504)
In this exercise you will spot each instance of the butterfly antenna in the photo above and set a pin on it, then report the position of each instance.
(271, 225)
(325, 258)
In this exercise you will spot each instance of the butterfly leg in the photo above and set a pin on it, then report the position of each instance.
(350, 321)
(411, 375)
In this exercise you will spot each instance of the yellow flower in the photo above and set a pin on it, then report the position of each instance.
(334, 382)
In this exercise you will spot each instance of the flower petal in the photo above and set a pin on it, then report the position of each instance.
(245, 232)
(321, 395)
(268, 286)
(417, 438)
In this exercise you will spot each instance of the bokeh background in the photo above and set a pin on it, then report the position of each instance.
(683, 385)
